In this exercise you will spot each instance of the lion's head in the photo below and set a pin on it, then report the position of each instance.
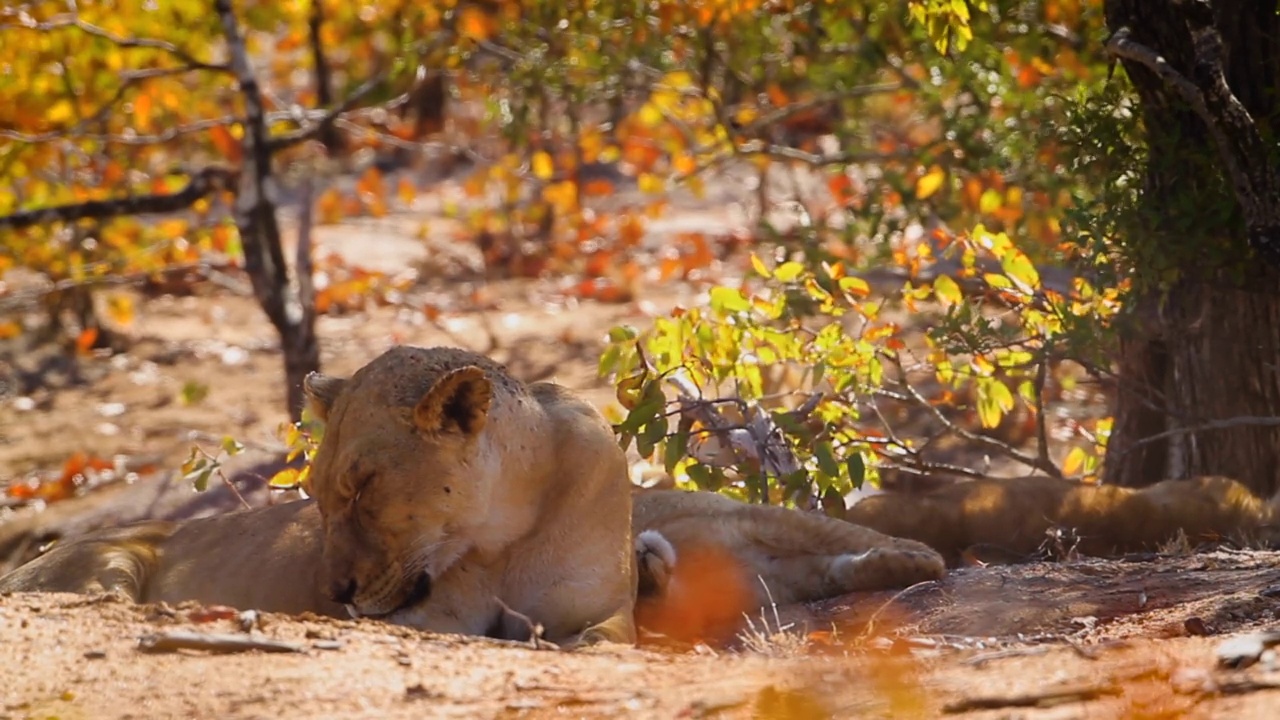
(402, 476)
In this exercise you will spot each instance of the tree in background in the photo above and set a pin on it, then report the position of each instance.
(1203, 240)
(974, 166)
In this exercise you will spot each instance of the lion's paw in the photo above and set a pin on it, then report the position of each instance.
(655, 561)
(883, 568)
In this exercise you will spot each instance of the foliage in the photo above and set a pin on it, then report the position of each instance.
(960, 146)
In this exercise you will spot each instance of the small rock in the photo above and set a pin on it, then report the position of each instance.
(95, 654)
(1196, 626)
(1242, 651)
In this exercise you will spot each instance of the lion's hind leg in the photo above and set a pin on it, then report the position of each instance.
(814, 556)
(882, 568)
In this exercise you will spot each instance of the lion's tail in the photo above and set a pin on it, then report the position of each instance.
(119, 560)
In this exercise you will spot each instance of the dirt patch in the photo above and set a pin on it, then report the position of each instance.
(73, 657)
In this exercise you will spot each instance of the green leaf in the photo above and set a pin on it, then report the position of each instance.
(857, 469)
(622, 333)
(231, 446)
(947, 290)
(701, 476)
(676, 448)
(1018, 267)
(826, 459)
(202, 479)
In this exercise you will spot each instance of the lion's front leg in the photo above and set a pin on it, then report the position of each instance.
(618, 628)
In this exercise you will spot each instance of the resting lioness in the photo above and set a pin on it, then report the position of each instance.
(1011, 519)
(449, 490)
(445, 489)
(785, 556)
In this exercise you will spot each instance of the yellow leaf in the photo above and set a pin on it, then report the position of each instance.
(946, 290)
(121, 309)
(930, 182)
(543, 167)
(1018, 267)
(650, 116)
(1074, 462)
(650, 183)
(758, 265)
(989, 202)
(855, 286)
(60, 112)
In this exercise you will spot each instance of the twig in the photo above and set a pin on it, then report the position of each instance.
(521, 628)
(204, 183)
(1004, 448)
(1048, 698)
(1226, 424)
(1042, 431)
(175, 640)
(331, 140)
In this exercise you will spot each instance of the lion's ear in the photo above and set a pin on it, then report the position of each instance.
(321, 391)
(458, 402)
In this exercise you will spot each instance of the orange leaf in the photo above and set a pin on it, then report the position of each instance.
(86, 339)
(226, 144)
(142, 112)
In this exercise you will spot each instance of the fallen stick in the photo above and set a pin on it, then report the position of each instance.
(1038, 700)
(216, 643)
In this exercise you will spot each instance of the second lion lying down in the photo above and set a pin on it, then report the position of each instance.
(451, 497)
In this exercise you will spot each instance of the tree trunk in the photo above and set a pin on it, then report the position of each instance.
(1208, 352)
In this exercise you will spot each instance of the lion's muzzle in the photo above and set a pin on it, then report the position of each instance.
(417, 594)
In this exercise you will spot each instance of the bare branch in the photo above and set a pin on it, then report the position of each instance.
(175, 640)
(324, 87)
(1003, 448)
(215, 272)
(206, 182)
(116, 139)
(1042, 431)
(1256, 421)
(327, 118)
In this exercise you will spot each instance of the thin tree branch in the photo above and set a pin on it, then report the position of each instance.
(204, 183)
(1003, 448)
(63, 22)
(328, 135)
(1256, 421)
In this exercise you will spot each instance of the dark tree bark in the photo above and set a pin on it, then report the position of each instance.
(287, 301)
(1200, 373)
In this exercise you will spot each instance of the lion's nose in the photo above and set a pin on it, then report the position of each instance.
(343, 592)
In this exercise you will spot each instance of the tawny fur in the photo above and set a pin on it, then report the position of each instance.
(1015, 515)
(434, 461)
(267, 558)
(789, 556)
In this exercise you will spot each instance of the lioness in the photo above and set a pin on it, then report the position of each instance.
(447, 488)
(448, 494)
(450, 497)
(785, 555)
(1015, 516)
